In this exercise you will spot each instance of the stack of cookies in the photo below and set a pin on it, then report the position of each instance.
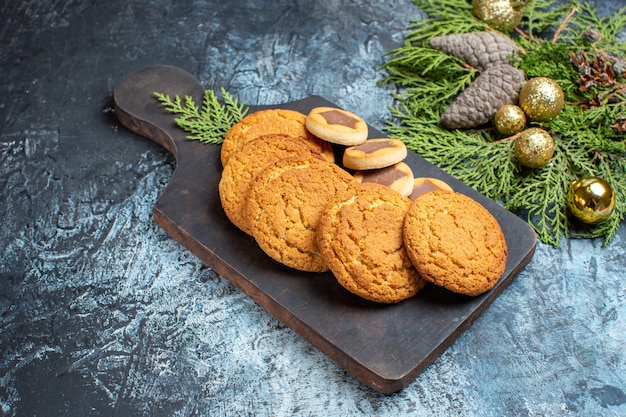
(382, 233)
(378, 160)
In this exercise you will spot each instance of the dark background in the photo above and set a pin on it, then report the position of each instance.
(102, 313)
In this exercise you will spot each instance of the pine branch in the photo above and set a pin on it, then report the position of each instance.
(608, 27)
(210, 123)
(539, 17)
(458, 13)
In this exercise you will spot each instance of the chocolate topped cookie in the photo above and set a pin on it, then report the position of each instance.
(374, 153)
(336, 126)
(398, 177)
(423, 185)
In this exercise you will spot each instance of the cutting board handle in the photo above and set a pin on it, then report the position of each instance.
(139, 110)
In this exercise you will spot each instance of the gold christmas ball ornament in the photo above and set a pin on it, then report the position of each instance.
(542, 99)
(590, 199)
(509, 119)
(534, 147)
(503, 15)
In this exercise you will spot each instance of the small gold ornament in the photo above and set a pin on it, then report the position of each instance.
(542, 99)
(509, 119)
(591, 199)
(534, 147)
(503, 15)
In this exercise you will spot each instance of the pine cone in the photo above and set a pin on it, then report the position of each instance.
(591, 36)
(478, 49)
(479, 103)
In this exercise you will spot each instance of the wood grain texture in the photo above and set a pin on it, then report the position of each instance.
(385, 347)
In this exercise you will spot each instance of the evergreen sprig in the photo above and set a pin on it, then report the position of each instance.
(211, 122)
(610, 28)
(586, 139)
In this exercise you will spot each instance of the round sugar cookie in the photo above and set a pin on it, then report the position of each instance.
(398, 177)
(270, 121)
(360, 238)
(245, 164)
(336, 126)
(374, 153)
(423, 185)
(284, 205)
(454, 242)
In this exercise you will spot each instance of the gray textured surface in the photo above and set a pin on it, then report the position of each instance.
(101, 313)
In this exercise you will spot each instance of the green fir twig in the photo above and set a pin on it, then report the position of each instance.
(211, 122)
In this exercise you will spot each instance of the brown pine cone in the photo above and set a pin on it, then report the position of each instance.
(478, 49)
(479, 103)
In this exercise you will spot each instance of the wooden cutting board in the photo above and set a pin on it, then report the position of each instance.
(384, 346)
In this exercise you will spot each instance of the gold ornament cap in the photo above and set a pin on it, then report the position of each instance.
(534, 147)
(502, 15)
(590, 199)
(541, 98)
(509, 119)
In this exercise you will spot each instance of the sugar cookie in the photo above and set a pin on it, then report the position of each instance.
(264, 122)
(245, 164)
(455, 242)
(285, 203)
(360, 238)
